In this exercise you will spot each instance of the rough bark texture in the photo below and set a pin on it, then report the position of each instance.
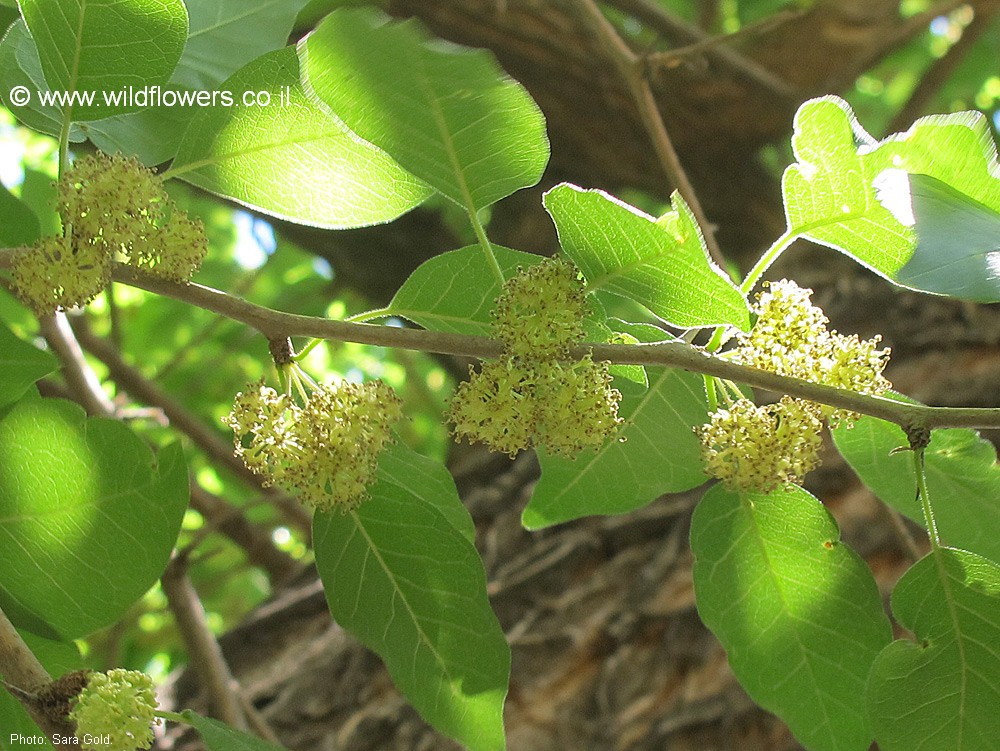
(608, 649)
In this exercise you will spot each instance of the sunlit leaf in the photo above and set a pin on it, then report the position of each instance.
(797, 610)
(401, 576)
(87, 517)
(254, 154)
(18, 223)
(941, 692)
(105, 46)
(448, 114)
(660, 263)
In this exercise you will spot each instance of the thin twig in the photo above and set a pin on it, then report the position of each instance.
(657, 17)
(23, 673)
(204, 652)
(79, 376)
(940, 71)
(633, 73)
(278, 325)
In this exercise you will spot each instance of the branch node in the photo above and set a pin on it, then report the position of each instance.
(281, 351)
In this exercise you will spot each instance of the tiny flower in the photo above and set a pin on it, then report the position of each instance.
(56, 274)
(119, 705)
(496, 406)
(577, 407)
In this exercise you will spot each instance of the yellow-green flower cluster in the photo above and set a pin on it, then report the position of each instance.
(762, 448)
(535, 394)
(325, 451)
(112, 208)
(791, 338)
(116, 708)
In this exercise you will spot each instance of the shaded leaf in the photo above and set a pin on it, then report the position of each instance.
(797, 611)
(941, 692)
(21, 364)
(253, 154)
(456, 291)
(655, 452)
(448, 114)
(87, 517)
(403, 579)
(660, 263)
(18, 223)
(963, 479)
(218, 736)
(105, 46)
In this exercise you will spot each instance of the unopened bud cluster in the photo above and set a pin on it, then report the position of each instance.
(112, 208)
(761, 448)
(536, 395)
(117, 708)
(325, 451)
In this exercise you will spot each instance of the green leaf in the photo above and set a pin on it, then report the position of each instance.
(253, 154)
(847, 191)
(957, 251)
(456, 291)
(105, 46)
(660, 263)
(21, 364)
(18, 223)
(963, 479)
(20, 66)
(87, 516)
(797, 611)
(223, 36)
(656, 451)
(941, 692)
(448, 114)
(402, 577)
(218, 736)
(57, 658)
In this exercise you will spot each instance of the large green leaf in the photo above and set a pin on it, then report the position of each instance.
(963, 479)
(935, 231)
(655, 452)
(218, 736)
(661, 263)
(20, 67)
(57, 658)
(798, 611)
(21, 364)
(87, 516)
(253, 154)
(942, 691)
(456, 291)
(105, 46)
(448, 114)
(223, 36)
(18, 223)
(401, 576)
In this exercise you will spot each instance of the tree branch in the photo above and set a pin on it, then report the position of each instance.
(25, 676)
(633, 72)
(278, 325)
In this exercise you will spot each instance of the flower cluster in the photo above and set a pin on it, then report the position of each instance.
(111, 207)
(761, 448)
(536, 394)
(791, 338)
(118, 705)
(326, 450)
